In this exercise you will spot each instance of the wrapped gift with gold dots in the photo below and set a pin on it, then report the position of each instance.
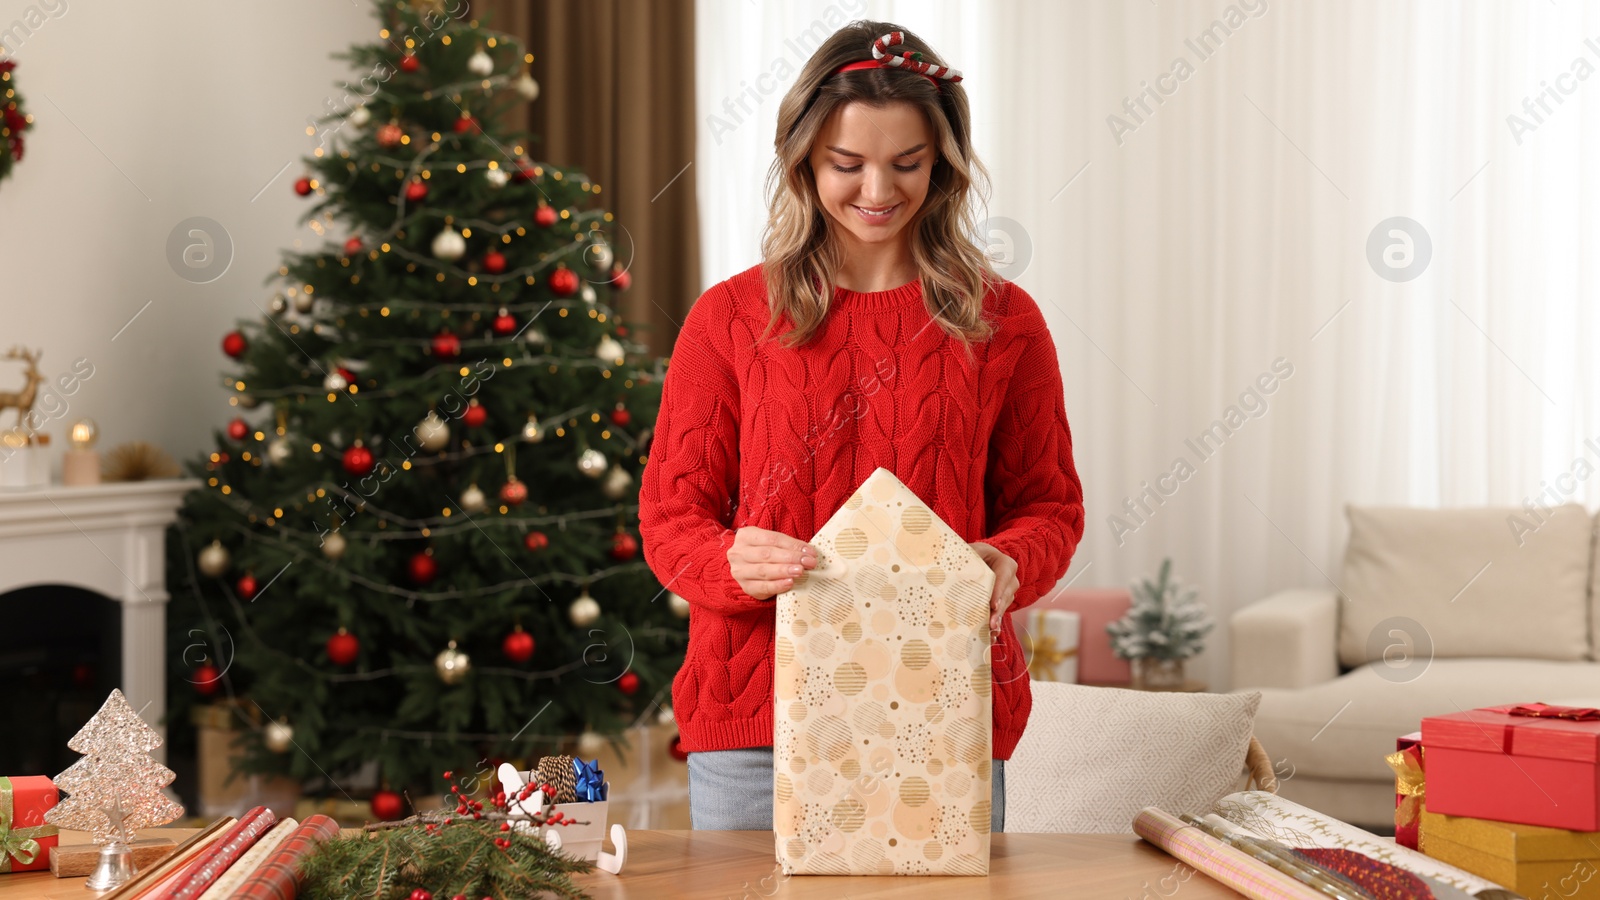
(882, 696)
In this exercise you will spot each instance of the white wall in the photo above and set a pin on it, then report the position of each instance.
(146, 114)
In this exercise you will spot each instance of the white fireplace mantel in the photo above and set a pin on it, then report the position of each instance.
(110, 539)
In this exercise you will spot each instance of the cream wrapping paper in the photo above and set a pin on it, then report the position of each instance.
(882, 696)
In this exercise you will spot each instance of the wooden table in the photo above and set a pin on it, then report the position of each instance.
(740, 865)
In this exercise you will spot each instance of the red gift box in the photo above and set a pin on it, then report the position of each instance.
(1406, 760)
(1530, 764)
(25, 839)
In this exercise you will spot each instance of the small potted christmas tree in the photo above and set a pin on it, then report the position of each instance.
(1165, 625)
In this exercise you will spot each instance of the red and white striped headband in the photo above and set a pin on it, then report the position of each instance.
(909, 60)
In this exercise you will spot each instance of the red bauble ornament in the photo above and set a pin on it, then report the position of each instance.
(352, 246)
(564, 282)
(246, 586)
(343, 648)
(358, 461)
(535, 540)
(302, 186)
(504, 324)
(621, 279)
(421, 568)
(389, 135)
(387, 805)
(417, 191)
(624, 546)
(419, 894)
(494, 262)
(465, 124)
(234, 344)
(348, 376)
(525, 172)
(676, 749)
(410, 63)
(628, 683)
(446, 345)
(475, 415)
(620, 416)
(206, 679)
(544, 216)
(513, 492)
(238, 430)
(518, 646)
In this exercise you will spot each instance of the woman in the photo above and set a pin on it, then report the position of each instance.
(874, 333)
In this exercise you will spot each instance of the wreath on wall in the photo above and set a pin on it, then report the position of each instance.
(13, 119)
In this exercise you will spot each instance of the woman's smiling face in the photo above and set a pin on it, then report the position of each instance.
(872, 167)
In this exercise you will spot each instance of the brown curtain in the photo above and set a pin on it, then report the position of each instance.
(616, 100)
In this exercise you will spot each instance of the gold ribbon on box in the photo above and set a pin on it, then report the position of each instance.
(17, 843)
(1409, 784)
(1044, 654)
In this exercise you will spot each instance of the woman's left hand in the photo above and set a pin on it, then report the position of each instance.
(1005, 584)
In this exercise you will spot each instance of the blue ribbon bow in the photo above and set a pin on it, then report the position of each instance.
(591, 786)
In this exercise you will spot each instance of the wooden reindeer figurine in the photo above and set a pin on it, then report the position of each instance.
(22, 401)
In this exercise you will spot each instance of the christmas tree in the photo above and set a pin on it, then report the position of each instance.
(115, 790)
(1165, 620)
(417, 543)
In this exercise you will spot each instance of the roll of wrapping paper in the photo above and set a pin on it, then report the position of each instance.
(223, 887)
(279, 877)
(148, 878)
(1228, 865)
(209, 865)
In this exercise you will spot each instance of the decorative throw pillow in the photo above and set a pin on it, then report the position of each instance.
(1092, 757)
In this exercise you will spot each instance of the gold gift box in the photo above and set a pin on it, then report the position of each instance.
(1530, 859)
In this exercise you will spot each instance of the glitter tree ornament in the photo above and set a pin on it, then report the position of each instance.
(115, 790)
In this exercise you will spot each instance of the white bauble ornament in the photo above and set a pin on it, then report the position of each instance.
(359, 116)
(278, 736)
(304, 303)
(590, 744)
(481, 64)
(599, 256)
(333, 546)
(278, 305)
(473, 500)
(527, 87)
(617, 483)
(247, 401)
(531, 432)
(279, 451)
(432, 432)
(665, 717)
(452, 665)
(592, 463)
(214, 559)
(497, 178)
(609, 350)
(334, 381)
(587, 293)
(679, 606)
(449, 245)
(536, 337)
(583, 610)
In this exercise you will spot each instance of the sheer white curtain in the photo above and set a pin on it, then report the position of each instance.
(1220, 227)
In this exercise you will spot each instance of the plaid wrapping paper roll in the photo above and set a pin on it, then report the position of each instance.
(278, 878)
(216, 859)
(557, 772)
(224, 886)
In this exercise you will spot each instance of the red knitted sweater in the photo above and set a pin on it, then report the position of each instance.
(779, 438)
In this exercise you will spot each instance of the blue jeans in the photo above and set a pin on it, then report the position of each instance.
(731, 790)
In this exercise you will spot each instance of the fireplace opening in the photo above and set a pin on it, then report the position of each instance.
(60, 657)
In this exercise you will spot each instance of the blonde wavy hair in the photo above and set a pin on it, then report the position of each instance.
(801, 251)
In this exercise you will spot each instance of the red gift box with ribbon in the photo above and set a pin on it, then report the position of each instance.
(1409, 788)
(1531, 764)
(25, 839)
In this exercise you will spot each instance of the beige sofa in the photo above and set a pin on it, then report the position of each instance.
(1433, 611)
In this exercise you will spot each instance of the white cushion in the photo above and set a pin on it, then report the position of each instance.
(1092, 757)
(1478, 582)
(1594, 594)
(1342, 729)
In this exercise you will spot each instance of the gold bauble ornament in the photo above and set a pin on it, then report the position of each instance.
(280, 450)
(278, 305)
(333, 546)
(278, 736)
(527, 87)
(473, 500)
(452, 665)
(617, 484)
(531, 432)
(304, 303)
(432, 432)
(679, 606)
(590, 744)
(592, 463)
(584, 611)
(214, 559)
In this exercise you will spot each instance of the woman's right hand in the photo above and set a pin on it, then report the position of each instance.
(766, 563)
